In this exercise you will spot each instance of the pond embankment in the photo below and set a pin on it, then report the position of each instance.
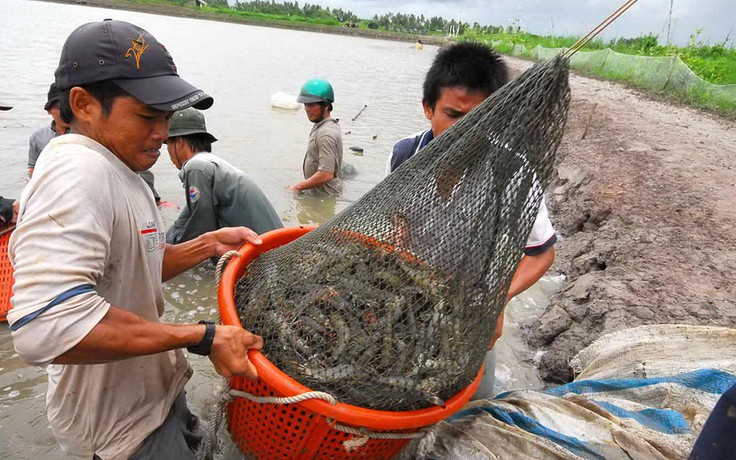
(643, 203)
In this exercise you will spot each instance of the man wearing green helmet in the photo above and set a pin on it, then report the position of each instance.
(217, 193)
(323, 158)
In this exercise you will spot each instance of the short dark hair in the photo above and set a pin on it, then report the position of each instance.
(104, 91)
(469, 64)
(199, 142)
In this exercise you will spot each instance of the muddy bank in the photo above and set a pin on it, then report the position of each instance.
(644, 207)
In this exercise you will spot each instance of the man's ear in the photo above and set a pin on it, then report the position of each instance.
(84, 106)
(428, 111)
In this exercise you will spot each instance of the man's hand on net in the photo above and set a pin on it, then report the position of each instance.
(229, 238)
(229, 352)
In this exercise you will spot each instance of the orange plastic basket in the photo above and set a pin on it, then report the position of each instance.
(6, 274)
(306, 430)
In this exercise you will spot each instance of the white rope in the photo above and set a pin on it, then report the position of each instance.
(286, 400)
(222, 262)
(364, 435)
(426, 436)
(372, 434)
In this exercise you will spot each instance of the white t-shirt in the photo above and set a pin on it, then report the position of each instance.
(542, 235)
(87, 219)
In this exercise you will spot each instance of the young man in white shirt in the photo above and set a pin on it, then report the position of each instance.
(461, 77)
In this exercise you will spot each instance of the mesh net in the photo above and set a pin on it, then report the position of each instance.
(391, 304)
(667, 75)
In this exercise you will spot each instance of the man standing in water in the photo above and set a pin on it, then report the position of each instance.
(461, 77)
(323, 159)
(41, 137)
(90, 257)
(218, 194)
(8, 207)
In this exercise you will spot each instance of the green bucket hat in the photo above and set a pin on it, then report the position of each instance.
(188, 121)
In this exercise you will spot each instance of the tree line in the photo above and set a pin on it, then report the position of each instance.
(398, 22)
(294, 9)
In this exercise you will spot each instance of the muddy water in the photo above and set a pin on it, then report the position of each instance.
(241, 66)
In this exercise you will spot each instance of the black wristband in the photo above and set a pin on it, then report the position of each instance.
(204, 347)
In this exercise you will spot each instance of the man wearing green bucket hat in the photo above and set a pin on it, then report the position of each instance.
(217, 193)
(323, 159)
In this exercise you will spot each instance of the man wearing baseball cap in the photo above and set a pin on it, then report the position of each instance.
(41, 137)
(90, 255)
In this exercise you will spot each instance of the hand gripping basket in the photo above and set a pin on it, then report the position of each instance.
(313, 428)
(6, 274)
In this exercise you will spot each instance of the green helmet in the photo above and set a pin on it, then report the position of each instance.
(188, 121)
(316, 90)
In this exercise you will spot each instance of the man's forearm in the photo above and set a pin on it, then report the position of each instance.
(529, 271)
(179, 258)
(121, 335)
(317, 179)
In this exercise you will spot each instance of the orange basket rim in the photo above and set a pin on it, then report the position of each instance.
(287, 386)
(5, 262)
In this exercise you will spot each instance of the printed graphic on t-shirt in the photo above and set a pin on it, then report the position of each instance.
(153, 238)
(193, 194)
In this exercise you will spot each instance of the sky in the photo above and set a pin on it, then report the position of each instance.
(716, 18)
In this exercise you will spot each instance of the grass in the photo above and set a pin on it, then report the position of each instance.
(714, 63)
(274, 17)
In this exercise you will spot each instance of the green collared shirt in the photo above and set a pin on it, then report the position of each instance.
(324, 153)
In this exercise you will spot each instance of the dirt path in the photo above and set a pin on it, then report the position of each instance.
(646, 213)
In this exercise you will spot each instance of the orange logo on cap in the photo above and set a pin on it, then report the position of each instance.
(137, 50)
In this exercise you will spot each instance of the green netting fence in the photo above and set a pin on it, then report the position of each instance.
(667, 75)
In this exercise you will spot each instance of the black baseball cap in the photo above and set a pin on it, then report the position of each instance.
(131, 58)
(53, 96)
(4, 106)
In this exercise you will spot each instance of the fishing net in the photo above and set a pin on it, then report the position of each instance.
(392, 303)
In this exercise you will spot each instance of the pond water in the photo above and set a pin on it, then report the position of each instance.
(241, 67)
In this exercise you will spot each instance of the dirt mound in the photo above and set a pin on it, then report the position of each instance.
(645, 211)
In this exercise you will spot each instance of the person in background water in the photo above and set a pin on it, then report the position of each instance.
(149, 179)
(217, 193)
(90, 257)
(40, 139)
(8, 212)
(8, 207)
(42, 136)
(323, 159)
(461, 77)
